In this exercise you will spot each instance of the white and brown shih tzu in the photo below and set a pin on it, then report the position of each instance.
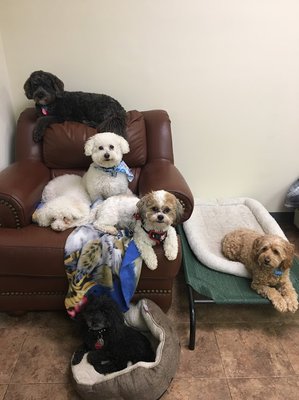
(157, 212)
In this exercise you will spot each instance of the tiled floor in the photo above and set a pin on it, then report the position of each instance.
(242, 352)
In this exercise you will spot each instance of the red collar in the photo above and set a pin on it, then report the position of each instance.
(156, 236)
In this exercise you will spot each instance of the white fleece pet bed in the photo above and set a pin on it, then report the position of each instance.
(210, 221)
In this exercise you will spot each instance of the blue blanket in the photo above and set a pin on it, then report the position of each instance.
(97, 263)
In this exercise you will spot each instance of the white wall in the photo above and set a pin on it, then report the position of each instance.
(227, 71)
(7, 120)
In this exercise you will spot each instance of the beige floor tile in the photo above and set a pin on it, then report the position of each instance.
(252, 352)
(288, 336)
(197, 389)
(34, 321)
(205, 361)
(267, 388)
(10, 344)
(179, 306)
(45, 357)
(3, 389)
(221, 313)
(41, 392)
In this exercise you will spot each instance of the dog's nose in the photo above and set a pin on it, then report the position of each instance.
(267, 260)
(107, 156)
(39, 95)
(160, 217)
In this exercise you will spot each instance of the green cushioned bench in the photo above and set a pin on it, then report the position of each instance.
(217, 287)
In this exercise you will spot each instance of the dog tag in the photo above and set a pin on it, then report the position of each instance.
(99, 344)
(277, 272)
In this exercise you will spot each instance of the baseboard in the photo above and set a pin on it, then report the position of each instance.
(283, 217)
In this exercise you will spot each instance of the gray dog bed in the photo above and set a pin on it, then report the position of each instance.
(140, 381)
(210, 221)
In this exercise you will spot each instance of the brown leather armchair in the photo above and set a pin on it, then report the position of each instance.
(32, 274)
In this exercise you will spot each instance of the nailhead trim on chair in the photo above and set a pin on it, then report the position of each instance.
(155, 291)
(32, 293)
(152, 291)
(14, 211)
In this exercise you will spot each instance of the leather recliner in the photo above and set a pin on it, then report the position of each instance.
(32, 274)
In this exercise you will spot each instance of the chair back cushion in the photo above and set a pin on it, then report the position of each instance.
(63, 144)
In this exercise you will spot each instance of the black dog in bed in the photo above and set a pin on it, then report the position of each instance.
(110, 343)
(54, 104)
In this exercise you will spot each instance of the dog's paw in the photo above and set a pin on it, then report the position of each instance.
(147, 254)
(171, 254)
(78, 355)
(292, 304)
(93, 357)
(170, 245)
(293, 307)
(150, 258)
(280, 304)
(106, 228)
(37, 135)
(151, 263)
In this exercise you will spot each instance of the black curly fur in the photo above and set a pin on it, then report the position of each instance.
(97, 110)
(121, 344)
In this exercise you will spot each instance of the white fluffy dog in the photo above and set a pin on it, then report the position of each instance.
(116, 212)
(65, 204)
(107, 175)
(157, 212)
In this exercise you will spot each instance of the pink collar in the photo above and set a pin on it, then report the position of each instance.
(44, 110)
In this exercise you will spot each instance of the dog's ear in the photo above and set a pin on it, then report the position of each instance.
(180, 209)
(124, 145)
(28, 89)
(290, 251)
(114, 316)
(88, 147)
(58, 85)
(141, 204)
(256, 246)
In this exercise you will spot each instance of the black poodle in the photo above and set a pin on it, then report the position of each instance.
(110, 343)
(54, 104)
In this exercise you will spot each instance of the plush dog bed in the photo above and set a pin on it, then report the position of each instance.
(210, 221)
(146, 381)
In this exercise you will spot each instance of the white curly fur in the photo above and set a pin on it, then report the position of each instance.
(65, 204)
(115, 212)
(106, 150)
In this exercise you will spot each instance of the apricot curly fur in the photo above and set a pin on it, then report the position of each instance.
(268, 258)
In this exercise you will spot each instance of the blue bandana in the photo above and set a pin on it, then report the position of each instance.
(121, 168)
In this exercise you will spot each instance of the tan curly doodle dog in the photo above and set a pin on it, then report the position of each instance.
(268, 258)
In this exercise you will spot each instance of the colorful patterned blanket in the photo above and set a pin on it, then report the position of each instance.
(97, 264)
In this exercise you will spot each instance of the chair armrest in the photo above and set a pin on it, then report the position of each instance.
(162, 174)
(21, 186)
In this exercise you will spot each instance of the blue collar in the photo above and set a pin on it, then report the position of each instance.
(121, 168)
(277, 272)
